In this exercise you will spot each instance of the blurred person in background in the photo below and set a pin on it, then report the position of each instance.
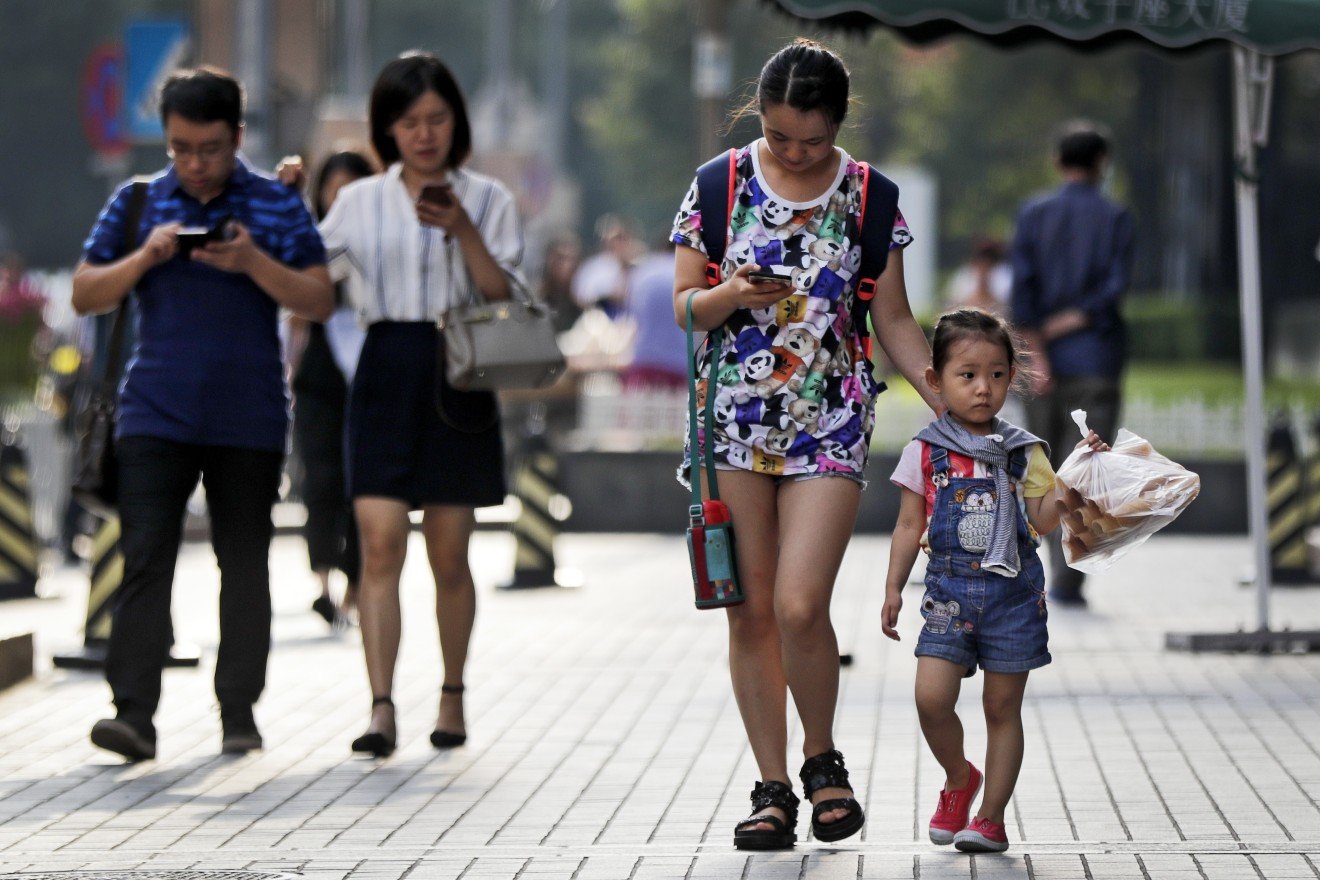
(1072, 263)
(427, 234)
(563, 255)
(602, 279)
(325, 356)
(659, 358)
(984, 282)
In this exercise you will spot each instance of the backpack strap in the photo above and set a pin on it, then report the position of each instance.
(875, 228)
(716, 182)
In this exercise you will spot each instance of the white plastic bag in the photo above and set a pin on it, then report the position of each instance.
(1113, 501)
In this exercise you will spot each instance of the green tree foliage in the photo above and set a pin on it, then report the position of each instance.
(978, 118)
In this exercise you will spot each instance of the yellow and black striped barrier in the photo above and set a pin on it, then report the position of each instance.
(536, 486)
(105, 559)
(19, 548)
(1286, 504)
(1312, 484)
(106, 572)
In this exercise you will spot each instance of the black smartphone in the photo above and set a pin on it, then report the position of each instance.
(437, 194)
(766, 276)
(190, 237)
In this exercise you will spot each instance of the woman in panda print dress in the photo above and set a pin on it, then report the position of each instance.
(793, 403)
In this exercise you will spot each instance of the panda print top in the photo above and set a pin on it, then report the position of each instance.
(793, 394)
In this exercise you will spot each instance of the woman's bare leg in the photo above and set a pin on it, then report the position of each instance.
(816, 520)
(383, 527)
(448, 531)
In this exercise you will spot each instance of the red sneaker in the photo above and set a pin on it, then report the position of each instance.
(981, 836)
(954, 808)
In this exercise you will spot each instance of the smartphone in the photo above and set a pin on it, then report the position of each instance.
(437, 194)
(767, 276)
(190, 237)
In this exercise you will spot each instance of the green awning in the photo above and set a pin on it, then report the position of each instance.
(1272, 27)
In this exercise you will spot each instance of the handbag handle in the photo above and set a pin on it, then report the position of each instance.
(715, 337)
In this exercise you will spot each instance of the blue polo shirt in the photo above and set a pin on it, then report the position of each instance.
(206, 367)
(1073, 249)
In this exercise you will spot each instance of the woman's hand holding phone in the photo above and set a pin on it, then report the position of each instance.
(437, 206)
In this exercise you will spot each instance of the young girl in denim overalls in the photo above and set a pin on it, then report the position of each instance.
(978, 492)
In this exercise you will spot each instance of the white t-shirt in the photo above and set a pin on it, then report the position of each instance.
(412, 272)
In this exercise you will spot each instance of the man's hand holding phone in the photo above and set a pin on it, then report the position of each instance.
(161, 244)
(229, 247)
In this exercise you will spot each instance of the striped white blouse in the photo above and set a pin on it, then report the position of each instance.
(412, 272)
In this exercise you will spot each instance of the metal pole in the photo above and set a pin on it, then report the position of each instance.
(499, 59)
(254, 33)
(1252, 80)
(554, 74)
(357, 60)
(712, 72)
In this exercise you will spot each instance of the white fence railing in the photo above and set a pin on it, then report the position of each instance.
(610, 418)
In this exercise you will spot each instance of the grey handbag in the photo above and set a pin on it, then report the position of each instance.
(499, 345)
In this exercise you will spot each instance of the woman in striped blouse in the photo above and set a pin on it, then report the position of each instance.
(414, 442)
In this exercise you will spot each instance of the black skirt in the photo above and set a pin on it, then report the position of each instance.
(411, 436)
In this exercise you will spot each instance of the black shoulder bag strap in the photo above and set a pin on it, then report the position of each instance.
(137, 199)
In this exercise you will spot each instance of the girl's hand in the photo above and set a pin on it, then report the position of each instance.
(889, 614)
(750, 294)
(1092, 440)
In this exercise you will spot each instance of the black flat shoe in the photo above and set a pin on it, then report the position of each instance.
(374, 742)
(783, 834)
(122, 738)
(826, 770)
(326, 608)
(449, 739)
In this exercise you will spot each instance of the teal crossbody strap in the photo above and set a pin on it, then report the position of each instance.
(707, 452)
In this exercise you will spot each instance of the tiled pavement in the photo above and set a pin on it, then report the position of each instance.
(605, 743)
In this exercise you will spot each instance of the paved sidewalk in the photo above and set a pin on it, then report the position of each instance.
(604, 742)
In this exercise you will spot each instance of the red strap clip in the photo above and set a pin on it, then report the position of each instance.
(865, 288)
(712, 274)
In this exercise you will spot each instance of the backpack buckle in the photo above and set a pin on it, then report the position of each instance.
(712, 274)
(865, 289)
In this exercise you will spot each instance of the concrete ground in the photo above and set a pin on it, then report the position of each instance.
(604, 741)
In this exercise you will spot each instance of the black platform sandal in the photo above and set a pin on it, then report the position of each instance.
(826, 770)
(373, 742)
(448, 739)
(784, 833)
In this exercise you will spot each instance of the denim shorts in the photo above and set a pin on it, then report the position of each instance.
(975, 618)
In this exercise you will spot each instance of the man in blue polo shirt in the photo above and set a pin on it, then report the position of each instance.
(203, 395)
(1072, 261)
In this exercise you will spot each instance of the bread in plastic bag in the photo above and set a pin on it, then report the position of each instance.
(1113, 501)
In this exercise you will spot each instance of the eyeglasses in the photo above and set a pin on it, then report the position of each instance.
(207, 153)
